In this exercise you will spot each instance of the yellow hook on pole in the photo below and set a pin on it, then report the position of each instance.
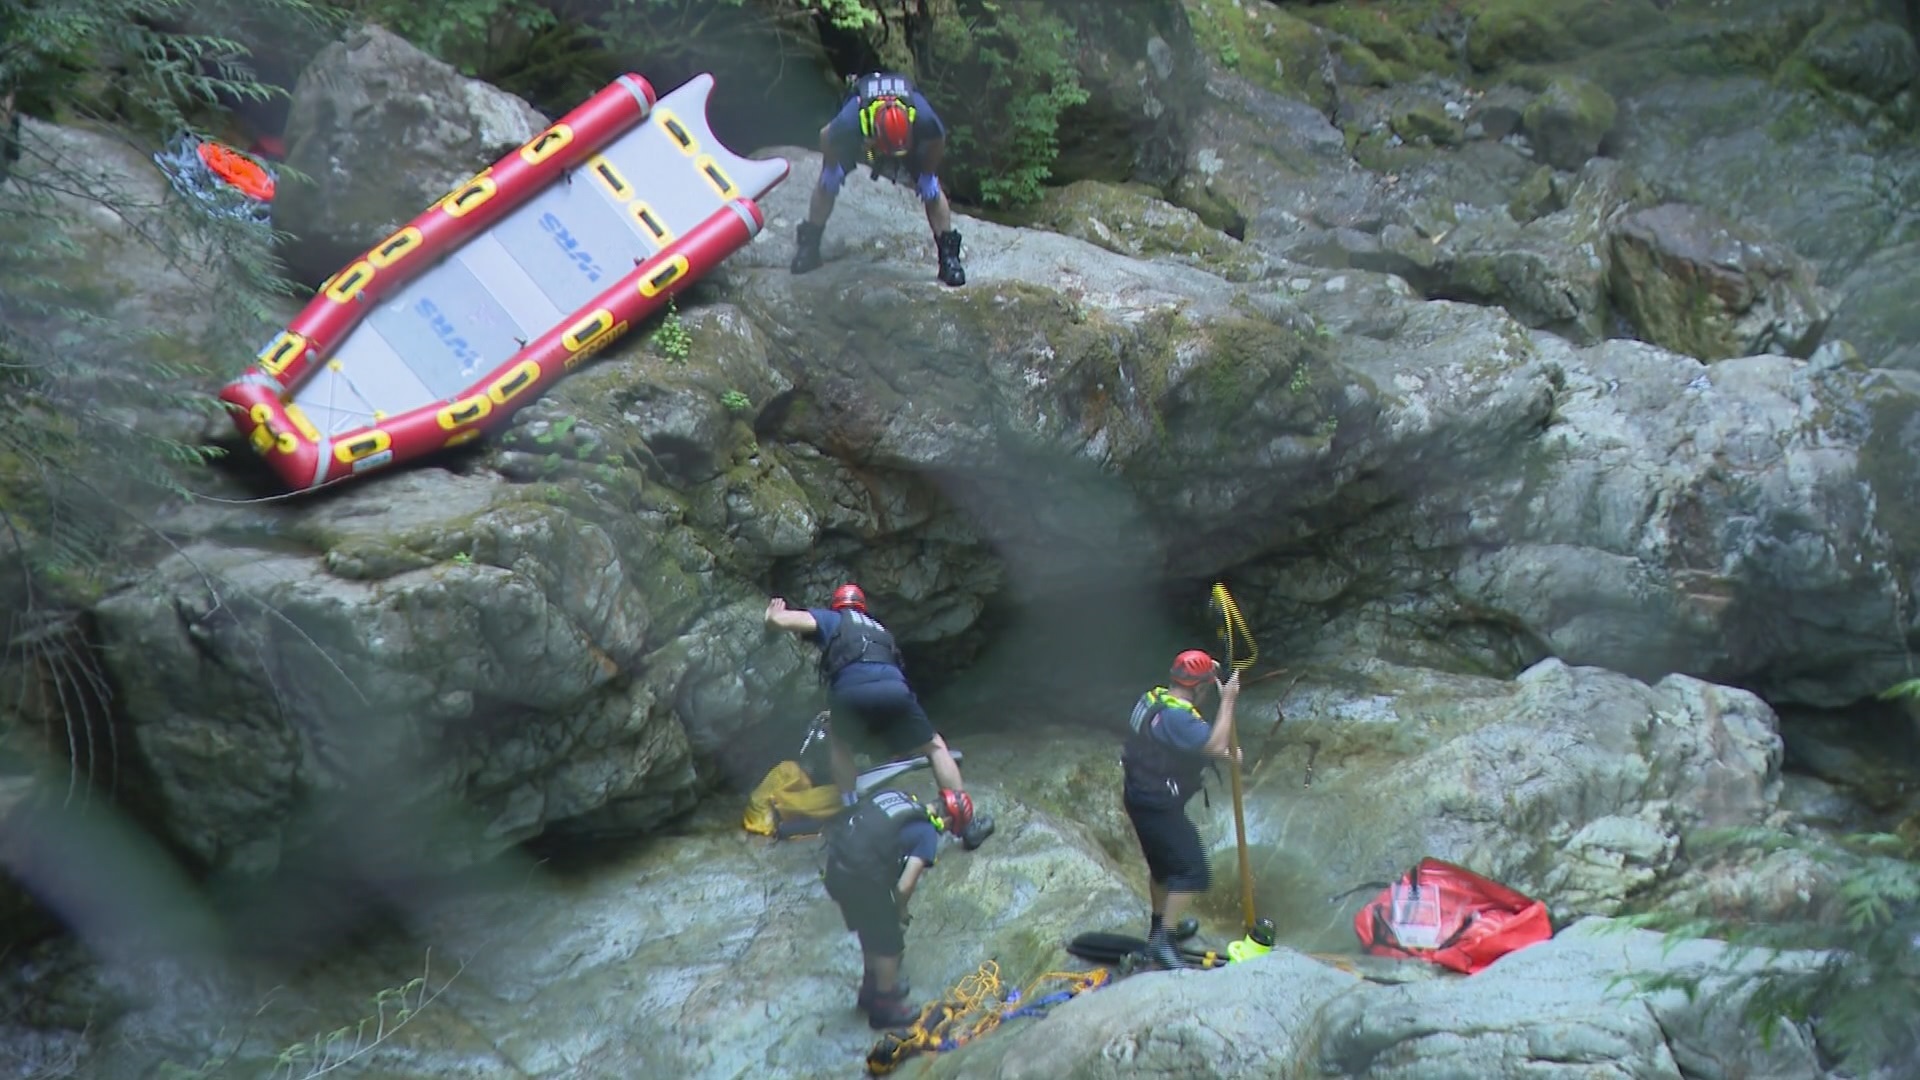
(1234, 634)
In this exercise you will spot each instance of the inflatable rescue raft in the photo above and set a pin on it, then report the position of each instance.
(441, 331)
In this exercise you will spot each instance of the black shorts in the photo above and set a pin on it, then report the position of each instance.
(1176, 859)
(870, 911)
(885, 712)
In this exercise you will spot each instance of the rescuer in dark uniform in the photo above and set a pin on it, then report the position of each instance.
(1169, 747)
(888, 126)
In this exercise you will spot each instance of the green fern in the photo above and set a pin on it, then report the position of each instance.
(78, 378)
(1860, 991)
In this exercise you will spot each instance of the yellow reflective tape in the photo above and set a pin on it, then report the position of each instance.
(676, 130)
(595, 345)
(305, 426)
(715, 175)
(395, 247)
(362, 446)
(470, 195)
(668, 273)
(466, 436)
(587, 329)
(350, 281)
(513, 382)
(282, 351)
(650, 221)
(546, 144)
(262, 438)
(610, 176)
(465, 411)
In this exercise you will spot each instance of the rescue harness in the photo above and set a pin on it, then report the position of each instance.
(860, 638)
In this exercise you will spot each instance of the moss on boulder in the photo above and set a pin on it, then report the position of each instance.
(1130, 219)
(1506, 32)
(1427, 120)
(1568, 121)
(1404, 54)
(1264, 44)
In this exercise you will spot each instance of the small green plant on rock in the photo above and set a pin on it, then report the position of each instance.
(461, 558)
(673, 337)
(735, 401)
(556, 431)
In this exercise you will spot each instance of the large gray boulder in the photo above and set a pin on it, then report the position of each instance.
(1698, 284)
(383, 130)
(1564, 1005)
(1669, 522)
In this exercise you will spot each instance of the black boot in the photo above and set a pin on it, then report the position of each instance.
(951, 272)
(806, 250)
(1161, 951)
(889, 1011)
(866, 999)
(977, 831)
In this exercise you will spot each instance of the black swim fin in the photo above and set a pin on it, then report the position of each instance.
(1101, 947)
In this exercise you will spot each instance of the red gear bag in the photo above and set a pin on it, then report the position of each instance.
(1450, 916)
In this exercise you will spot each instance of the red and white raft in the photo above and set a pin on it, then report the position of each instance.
(439, 332)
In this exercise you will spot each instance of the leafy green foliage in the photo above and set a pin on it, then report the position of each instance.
(735, 401)
(1858, 980)
(1001, 73)
(75, 356)
(557, 52)
(672, 336)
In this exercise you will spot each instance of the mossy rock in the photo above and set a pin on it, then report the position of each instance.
(1130, 219)
(1427, 120)
(1378, 151)
(1404, 54)
(1535, 197)
(1568, 121)
(1356, 65)
(1264, 44)
(1874, 59)
(1507, 32)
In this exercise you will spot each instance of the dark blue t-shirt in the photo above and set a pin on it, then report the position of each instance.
(1177, 724)
(860, 672)
(919, 840)
(849, 146)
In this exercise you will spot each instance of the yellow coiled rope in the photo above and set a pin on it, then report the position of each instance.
(1234, 634)
(973, 1007)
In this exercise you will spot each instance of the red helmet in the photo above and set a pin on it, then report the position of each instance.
(1191, 667)
(849, 596)
(892, 127)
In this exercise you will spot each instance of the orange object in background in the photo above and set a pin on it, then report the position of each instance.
(237, 169)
